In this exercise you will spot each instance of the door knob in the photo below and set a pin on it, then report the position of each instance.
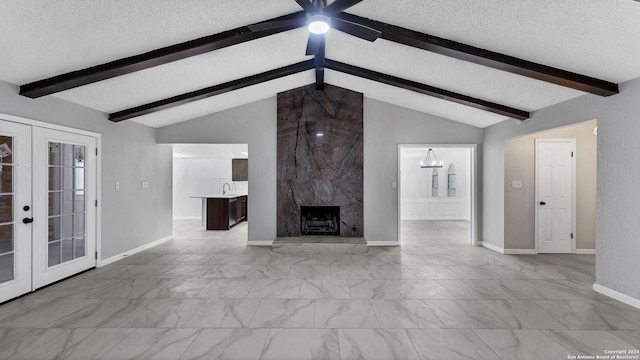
(27, 220)
(543, 203)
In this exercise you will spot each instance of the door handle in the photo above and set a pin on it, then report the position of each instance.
(27, 220)
(543, 203)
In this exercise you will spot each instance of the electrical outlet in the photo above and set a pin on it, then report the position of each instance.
(516, 184)
(145, 184)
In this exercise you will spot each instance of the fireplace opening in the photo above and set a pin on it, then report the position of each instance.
(320, 220)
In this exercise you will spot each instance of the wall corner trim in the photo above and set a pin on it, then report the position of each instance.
(586, 251)
(383, 243)
(125, 254)
(491, 247)
(260, 242)
(616, 295)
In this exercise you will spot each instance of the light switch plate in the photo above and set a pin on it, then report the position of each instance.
(394, 185)
(145, 184)
(117, 185)
(516, 184)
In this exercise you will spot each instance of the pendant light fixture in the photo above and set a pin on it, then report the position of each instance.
(431, 161)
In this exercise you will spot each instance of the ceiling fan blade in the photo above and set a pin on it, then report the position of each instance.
(313, 44)
(285, 23)
(339, 6)
(356, 30)
(307, 6)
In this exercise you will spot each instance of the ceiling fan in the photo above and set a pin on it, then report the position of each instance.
(320, 18)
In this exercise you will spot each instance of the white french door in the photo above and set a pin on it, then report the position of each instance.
(51, 232)
(555, 188)
(63, 204)
(15, 205)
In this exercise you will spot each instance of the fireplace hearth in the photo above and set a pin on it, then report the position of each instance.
(320, 220)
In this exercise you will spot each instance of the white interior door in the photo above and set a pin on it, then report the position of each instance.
(64, 195)
(555, 182)
(15, 205)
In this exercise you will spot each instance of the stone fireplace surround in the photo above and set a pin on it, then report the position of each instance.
(320, 157)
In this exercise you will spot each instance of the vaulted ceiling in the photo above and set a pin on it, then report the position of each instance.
(581, 39)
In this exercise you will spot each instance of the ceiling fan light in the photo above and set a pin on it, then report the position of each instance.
(318, 24)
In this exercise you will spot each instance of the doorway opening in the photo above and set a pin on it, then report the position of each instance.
(210, 191)
(529, 209)
(437, 206)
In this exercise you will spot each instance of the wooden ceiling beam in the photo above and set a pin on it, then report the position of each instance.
(211, 91)
(389, 32)
(485, 57)
(153, 58)
(427, 90)
(311, 65)
(319, 59)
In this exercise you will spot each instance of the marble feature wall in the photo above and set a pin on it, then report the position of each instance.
(320, 156)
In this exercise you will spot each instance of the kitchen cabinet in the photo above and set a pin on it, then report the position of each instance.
(225, 212)
(240, 169)
(241, 209)
(221, 212)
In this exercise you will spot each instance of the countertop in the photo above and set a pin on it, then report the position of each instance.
(217, 196)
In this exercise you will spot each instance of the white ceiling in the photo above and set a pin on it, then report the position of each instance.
(47, 38)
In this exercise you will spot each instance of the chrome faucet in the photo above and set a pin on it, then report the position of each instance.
(223, 191)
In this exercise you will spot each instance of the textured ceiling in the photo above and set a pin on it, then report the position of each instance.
(591, 37)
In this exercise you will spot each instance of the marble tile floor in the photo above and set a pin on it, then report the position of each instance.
(206, 295)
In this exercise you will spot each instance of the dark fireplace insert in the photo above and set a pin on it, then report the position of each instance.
(320, 220)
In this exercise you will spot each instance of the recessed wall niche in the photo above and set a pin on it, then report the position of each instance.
(320, 156)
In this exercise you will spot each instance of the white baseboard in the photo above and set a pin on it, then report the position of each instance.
(260, 242)
(132, 251)
(508, 251)
(383, 243)
(520, 251)
(491, 247)
(586, 251)
(617, 295)
(186, 218)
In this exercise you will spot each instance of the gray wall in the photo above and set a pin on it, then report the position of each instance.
(253, 124)
(386, 126)
(618, 200)
(520, 207)
(131, 216)
(567, 113)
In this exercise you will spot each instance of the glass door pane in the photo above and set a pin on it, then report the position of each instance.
(66, 202)
(15, 201)
(7, 240)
